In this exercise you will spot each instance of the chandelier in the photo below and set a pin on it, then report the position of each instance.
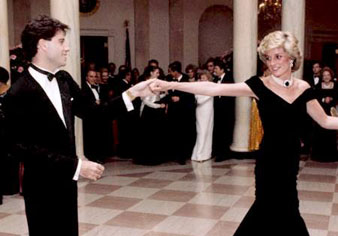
(270, 9)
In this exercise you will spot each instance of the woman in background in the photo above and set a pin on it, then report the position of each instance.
(152, 116)
(204, 122)
(325, 141)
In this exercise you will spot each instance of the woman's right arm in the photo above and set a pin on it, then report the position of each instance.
(205, 88)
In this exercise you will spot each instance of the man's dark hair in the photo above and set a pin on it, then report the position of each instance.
(319, 63)
(190, 67)
(220, 64)
(210, 59)
(148, 70)
(176, 66)
(151, 61)
(43, 27)
(4, 75)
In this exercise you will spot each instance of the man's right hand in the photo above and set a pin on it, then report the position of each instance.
(91, 170)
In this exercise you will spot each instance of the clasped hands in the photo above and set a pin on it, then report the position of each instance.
(149, 87)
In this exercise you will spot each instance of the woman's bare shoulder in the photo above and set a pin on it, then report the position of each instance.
(302, 84)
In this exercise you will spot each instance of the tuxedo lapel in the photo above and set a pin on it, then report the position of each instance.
(66, 103)
(41, 94)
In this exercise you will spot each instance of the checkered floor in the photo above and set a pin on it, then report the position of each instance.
(201, 199)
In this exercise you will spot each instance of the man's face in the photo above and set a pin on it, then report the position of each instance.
(112, 68)
(57, 50)
(191, 73)
(210, 67)
(91, 77)
(316, 69)
(218, 71)
(98, 77)
(172, 73)
(104, 77)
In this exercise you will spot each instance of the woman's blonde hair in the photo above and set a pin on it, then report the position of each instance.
(285, 40)
(206, 73)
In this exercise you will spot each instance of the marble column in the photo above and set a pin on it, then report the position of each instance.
(159, 32)
(293, 20)
(67, 11)
(141, 32)
(245, 63)
(4, 41)
(176, 27)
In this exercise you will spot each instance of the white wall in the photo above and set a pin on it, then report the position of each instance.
(159, 32)
(110, 18)
(193, 11)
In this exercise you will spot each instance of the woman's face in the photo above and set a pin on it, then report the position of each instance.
(327, 76)
(128, 76)
(155, 74)
(204, 78)
(278, 63)
(191, 73)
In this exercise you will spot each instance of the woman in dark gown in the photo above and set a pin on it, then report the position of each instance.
(325, 141)
(152, 116)
(283, 102)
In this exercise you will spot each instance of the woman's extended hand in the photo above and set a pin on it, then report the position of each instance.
(160, 85)
(142, 89)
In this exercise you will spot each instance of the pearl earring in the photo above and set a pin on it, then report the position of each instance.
(291, 63)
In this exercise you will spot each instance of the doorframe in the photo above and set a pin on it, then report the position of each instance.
(110, 34)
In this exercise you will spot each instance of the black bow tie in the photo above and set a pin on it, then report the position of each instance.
(216, 79)
(96, 87)
(50, 76)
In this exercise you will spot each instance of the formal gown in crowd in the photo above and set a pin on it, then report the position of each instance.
(204, 128)
(324, 147)
(152, 133)
(276, 208)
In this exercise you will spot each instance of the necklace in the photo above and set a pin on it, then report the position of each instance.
(284, 83)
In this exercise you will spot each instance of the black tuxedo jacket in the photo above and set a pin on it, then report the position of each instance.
(224, 119)
(88, 93)
(122, 86)
(184, 109)
(37, 135)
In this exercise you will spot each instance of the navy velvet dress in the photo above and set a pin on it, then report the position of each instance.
(276, 208)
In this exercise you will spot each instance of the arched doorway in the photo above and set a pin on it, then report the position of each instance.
(215, 32)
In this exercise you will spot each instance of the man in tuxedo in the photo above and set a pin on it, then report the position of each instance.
(181, 117)
(92, 125)
(315, 81)
(40, 109)
(224, 117)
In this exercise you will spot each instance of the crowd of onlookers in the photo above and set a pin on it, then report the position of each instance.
(177, 126)
(171, 126)
(319, 143)
(174, 125)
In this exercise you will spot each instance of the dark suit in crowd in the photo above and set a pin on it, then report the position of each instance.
(181, 119)
(97, 130)
(128, 125)
(224, 119)
(39, 137)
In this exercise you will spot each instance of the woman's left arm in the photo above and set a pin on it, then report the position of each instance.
(318, 114)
